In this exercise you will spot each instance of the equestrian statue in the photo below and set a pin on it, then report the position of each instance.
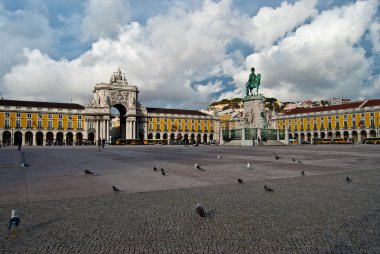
(252, 83)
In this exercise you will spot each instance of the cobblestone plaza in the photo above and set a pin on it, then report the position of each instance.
(69, 212)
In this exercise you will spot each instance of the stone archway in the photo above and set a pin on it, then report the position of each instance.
(120, 95)
(79, 138)
(69, 139)
(7, 138)
(49, 138)
(17, 138)
(29, 138)
(150, 136)
(59, 139)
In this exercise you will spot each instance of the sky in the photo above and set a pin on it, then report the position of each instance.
(187, 54)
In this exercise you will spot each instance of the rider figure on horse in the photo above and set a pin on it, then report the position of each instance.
(253, 82)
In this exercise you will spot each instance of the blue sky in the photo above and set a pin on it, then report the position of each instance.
(186, 54)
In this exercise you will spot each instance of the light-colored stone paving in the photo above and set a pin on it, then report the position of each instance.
(69, 212)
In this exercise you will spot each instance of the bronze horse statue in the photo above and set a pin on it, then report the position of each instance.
(252, 83)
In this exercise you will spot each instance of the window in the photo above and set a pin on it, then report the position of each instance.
(372, 123)
(345, 124)
(6, 114)
(29, 123)
(345, 116)
(79, 117)
(50, 124)
(18, 114)
(60, 125)
(79, 125)
(50, 116)
(18, 123)
(158, 126)
(39, 115)
(29, 115)
(362, 123)
(70, 125)
(150, 126)
(353, 124)
(91, 125)
(337, 125)
(6, 123)
(70, 117)
(60, 116)
(39, 124)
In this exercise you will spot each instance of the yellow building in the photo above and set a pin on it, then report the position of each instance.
(176, 125)
(354, 122)
(41, 123)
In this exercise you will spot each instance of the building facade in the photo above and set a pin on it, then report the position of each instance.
(49, 123)
(354, 121)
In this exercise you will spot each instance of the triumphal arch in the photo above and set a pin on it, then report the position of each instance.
(119, 94)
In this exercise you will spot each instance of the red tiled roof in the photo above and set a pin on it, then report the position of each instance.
(369, 103)
(175, 111)
(40, 104)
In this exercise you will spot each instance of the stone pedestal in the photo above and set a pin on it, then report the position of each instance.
(254, 113)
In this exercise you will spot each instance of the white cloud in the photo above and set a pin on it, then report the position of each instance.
(320, 59)
(375, 37)
(271, 24)
(104, 18)
(170, 57)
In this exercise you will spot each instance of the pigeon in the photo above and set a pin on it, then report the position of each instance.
(267, 188)
(348, 179)
(163, 173)
(248, 165)
(219, 157)
(15, 220)
(87, 172)
(302, 173)
(196, 166)
(24, 165)
(200, 210)
(240, 180)
(115, 189)
(294, 160)
(276, 157)
(162, 170)
(154, 168)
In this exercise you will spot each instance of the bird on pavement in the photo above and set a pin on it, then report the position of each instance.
(115, 189)
(14, 221)
(24, 165)
(266, 188)
(240, 180)
(200, 210)
(348, 179)
(154, 168)
(163, 173)
(196, 166)
(303, 173)
(87, 172)
(294, 160)
(219, 157)
(248, 165)
(276, 157)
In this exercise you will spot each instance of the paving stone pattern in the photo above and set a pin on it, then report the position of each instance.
(317, 213)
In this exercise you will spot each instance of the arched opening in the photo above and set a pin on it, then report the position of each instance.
(296, 136)
(172, 136)
(330, 135)
(150, 136)
(192, 138)
(158, 136)
(290, 136)
(49, 138)
(354, 137)
(346, 135)
(40, 138)
(323, 135)
(7, 138)
(79, 138)
(302, 137)
(28, 138)
(363, 135)
(315, 134)
(338, 135)
(211, 137)
(308, 137)
(17, 138)
(165, 136)
(204, 138)
(199, 138)
(372, 133)
(118, 122)
(59, 139)
(69, 139)
(91, 138)
(186, 138)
